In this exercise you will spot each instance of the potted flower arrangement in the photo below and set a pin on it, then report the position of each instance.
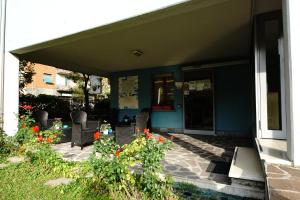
(105, 128)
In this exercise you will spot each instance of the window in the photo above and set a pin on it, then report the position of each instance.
(163, 94)
(47, 78)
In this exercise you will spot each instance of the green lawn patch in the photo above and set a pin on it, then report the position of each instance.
(26, 181)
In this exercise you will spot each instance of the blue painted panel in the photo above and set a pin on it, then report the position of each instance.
(233, 98)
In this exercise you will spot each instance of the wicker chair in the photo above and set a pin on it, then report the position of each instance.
(125, 134)
(41, 118)
(82, 130)
(141, 121)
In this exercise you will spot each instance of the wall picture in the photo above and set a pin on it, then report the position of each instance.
(128, 92)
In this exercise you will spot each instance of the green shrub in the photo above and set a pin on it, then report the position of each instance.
(29, 132)
(134, 170)
(55, 106)
(7, 144)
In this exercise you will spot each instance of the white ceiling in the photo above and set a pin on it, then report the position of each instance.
(190, 32)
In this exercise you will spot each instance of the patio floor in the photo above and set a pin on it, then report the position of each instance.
(195, 158)
(192, 157)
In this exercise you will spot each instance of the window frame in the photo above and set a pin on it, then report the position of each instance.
(44, 79)
(163, 107)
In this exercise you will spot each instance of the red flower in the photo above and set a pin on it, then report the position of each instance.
(56, 134)
(146, 131)
(39, 138)
(97, 135)
(161, 139)
(35, 129)
(117, 153)
(23, 126)
(50, 139)
(149, 136)
(26, 107)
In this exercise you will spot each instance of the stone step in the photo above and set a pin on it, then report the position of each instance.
(246, 165)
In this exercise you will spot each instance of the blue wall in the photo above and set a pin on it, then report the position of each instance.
(173, 119)
(233, 98)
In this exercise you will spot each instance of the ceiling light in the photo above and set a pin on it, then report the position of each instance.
(137, 53)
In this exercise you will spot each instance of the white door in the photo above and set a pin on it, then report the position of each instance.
(270, 68)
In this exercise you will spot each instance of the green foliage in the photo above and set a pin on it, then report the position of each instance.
(29, 132)
(25, 133)
(55, 106)
(153, 182)
(106, 146)
(134, 170)
(26, 181)
(26, 72)
(7, 144)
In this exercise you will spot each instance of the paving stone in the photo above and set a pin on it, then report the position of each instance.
(283, 182)
(16, 159)
(59, 181)
(170, 167)
(283, 195)
(290, 170)
(2, 165)
(193, 177)
(274, 169)
(184, 174)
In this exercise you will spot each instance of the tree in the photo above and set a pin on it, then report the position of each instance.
(26, 72)
(83, 82)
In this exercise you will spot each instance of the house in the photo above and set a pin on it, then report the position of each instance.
(50, 81)
(214, 67)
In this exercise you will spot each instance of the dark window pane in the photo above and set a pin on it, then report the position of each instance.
(272, 32)
(163, 92)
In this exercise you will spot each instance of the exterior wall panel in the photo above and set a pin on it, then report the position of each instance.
(233, 98)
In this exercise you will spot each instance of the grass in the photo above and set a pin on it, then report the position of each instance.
(26, 181)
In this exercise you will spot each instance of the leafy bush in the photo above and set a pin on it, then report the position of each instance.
(55, 106)
(7, 144)
(134, 169)
(29, 132)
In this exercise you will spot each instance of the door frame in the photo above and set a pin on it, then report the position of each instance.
(261, 84)
(193, 131)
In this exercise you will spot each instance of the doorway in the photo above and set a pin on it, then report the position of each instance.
(198, 95)
(269, 54)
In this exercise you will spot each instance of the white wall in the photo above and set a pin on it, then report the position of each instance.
(11, 94)
(60, 80)
(34, 21)
(291, 16)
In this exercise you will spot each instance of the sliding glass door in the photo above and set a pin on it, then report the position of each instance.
(198, 102)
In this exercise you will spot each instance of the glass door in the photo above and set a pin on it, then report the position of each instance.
(272, 95)
(198, 102)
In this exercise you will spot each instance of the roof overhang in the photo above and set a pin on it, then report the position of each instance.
(185, 33)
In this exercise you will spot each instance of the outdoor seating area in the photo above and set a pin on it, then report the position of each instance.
(80, 131)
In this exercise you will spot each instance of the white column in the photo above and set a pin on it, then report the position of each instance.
(291, 16)
(11, 94)
(2, 38)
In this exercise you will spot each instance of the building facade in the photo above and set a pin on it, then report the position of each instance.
(202, 67)
(50, 81)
